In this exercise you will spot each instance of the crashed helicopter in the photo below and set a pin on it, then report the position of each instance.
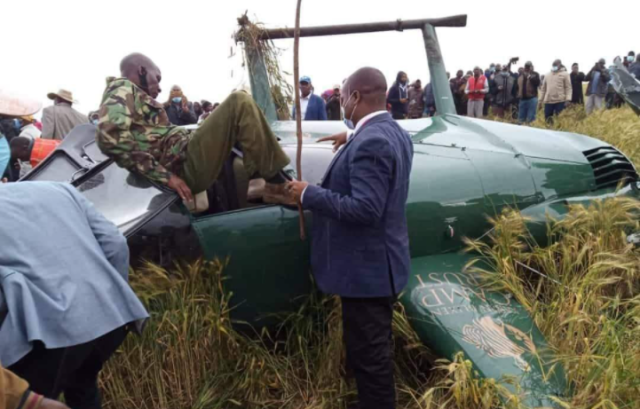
(463, 171)
(626, 85)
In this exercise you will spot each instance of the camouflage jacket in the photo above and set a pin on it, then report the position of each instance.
(134, 130)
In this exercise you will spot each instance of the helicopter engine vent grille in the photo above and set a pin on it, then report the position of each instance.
(610, 167)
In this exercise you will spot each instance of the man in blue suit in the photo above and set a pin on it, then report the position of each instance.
(312, 106)
(360, 244)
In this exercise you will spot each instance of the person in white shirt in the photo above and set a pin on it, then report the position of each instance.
(312, 107)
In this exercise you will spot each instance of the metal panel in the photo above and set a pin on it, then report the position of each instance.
(268, 267)
(451, 313)
(126, 199)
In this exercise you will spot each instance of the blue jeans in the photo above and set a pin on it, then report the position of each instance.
(553, 109)
(528, 110)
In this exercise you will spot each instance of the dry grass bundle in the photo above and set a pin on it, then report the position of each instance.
(281, 90)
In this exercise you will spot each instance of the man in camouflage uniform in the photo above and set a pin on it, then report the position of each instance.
(134, 130)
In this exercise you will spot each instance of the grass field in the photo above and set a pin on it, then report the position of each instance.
(190, 355)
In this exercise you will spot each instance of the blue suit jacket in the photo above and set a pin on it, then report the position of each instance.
(63, 270)
(360, 243)
(316, 110)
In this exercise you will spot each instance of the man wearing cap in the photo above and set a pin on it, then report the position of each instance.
(528, 85)
(311, 105)
(598, 79)
(58, 120)
(333, 105)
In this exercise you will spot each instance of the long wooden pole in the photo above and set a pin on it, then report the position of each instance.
(397, 25)
(296, 74)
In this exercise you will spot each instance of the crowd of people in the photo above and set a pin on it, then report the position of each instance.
(500, 90)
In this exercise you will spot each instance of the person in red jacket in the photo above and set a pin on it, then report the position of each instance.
(32, 150)
(477, 89)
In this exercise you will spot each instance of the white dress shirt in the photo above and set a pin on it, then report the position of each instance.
(350, 133)
(304, 103)
(362, 122)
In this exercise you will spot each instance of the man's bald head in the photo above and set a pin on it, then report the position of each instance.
(132, 62)
(363, 93)
(371, 85)
(142, 71)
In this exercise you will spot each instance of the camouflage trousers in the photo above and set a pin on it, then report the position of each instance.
(238, 120)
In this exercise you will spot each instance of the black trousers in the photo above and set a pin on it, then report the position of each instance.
(72, 370)
(367, 332)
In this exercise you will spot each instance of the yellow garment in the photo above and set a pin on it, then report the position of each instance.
(13, 390)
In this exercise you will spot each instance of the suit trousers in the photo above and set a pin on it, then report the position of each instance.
(72, 370)
(367, 333)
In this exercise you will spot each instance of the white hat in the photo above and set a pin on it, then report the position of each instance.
(10, 105)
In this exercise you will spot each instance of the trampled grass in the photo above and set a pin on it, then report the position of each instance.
(191, 356)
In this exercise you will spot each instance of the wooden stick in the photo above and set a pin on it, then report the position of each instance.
(296, 74)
